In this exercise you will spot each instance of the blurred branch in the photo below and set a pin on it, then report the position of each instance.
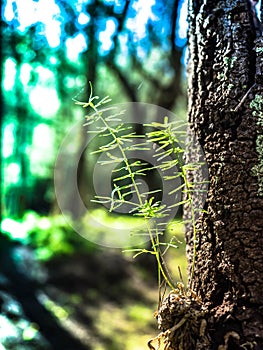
(174, 22)
(146, 75)
(123, 79)
(110, 59)
(121, 18)
(169, 94)
(166, 94)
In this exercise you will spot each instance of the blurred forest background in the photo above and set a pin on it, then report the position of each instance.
(57, 290)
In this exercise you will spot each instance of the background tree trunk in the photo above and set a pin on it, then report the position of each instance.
(225, 107)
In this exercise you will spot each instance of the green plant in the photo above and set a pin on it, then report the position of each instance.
(120, 139)
(257, 110)
(51, 236)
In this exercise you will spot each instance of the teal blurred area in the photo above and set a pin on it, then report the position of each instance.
(57, 289)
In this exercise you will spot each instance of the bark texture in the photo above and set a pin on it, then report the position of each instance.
(225, 77)
(225, 81)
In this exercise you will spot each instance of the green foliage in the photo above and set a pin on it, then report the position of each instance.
(169, 137)
(141, 314)
(49, 235)
(257, 106)
(257, 110)
(110, 228)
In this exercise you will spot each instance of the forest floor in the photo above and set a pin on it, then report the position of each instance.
(110, 302)
(105, 299)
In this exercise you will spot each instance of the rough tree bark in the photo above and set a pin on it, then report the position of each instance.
(225, 112)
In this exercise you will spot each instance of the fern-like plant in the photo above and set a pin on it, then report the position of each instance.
(120, 140)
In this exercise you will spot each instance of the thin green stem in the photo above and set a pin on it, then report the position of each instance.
(158, 256)
(166, 138)
(116, 139)
(154, 241)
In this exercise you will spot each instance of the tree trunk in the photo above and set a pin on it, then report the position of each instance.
(223, 85)
(225, 113)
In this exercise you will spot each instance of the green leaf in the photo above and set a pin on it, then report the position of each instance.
(166, 244)
(177, 189)
(128, 176)
(179, 203)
